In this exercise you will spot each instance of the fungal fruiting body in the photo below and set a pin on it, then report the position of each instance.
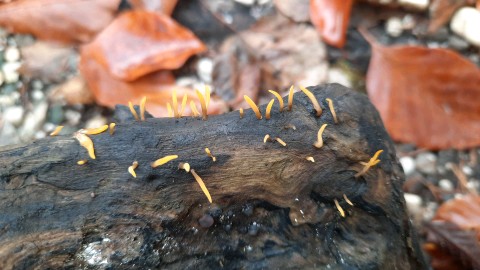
(269, 109)
(372, 162)
(94, 131)
(210, 154)
(347, 200)
(280, 141)
(169, 109)
(184, 166)
(290, 98)
(161, 161)
(332, 110)
(339, 208)
(86, 142)
(175, 104)
(56, 131)
(132, 168)
(184, 103)
(280, 99)
(112, 128)
(81, 162)
(207, 95)
(319, 142)
(142, 108)
(132, 110)
(203, 104)
(313, 99)
(253, 106)
(310, 159)
(193, 107)
(202, 185)
(266, 138)
(241, 112)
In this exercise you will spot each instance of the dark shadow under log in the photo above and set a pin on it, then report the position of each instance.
(271, 208)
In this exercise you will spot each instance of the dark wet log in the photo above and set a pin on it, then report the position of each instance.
(271, 208)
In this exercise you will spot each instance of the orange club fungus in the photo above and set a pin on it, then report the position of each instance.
(202, 185)
(319, 142)
(56, 131)
(332, 110)
(87, 143)
(290, 98)
(367, 165)
(339, 208)
(253, 106)
(313, 99)
(165, 159)
(112, 128)
(132, 110)
(279, 98)
(210, 154)
(94, 131)
(142, 108)
(132, 168)
(269, 109)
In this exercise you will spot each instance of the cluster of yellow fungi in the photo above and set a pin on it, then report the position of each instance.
(173, 111)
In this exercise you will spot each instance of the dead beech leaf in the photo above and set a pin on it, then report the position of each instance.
(157, 87)
(164, 6)
(69, 21)
(441, 11)
(425, 96)
(139, 42)
(331, 18)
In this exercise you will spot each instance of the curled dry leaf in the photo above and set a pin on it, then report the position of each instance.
(331, 18)
(140, 42)
(425, 96)
(69, 21)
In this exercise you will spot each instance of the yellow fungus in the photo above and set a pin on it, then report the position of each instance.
(210, 154)
(280, 141)
(81, 162)
(347, 200)
(372, 162)
(313, 99)
(132, 110)
(310, 159)
(241, 112)
(184, 166)
(290, 98)
(207, 95)
(203, 104)
(280, 99)
(253, 106)
(175, 104)
(194, 109)
(266, 138)
(56, 131)
(339, 208)
(161, 161)
(132, 168)
(86, 142)
(319, 142)
(112, 128)
(142, 108)
(202, 185)
(184, 103)
(94, 131)
(269, 109)
(332, 110)
(169, 109)
(290, 126)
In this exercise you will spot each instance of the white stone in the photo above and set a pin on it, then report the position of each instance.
(408, 165)
(246, 2)
(8, 134)
(96, 121)
(10, 71)
(205, 69)
(33, 121)
(426, 163)
(12, 54)
(416, 4)
(467, 170)
(37, 95)
(414, 203)
(446, 185)
(13, 115)
(39, 135)
(73, 117)
(394, 27)
(466, 23)
(337, 75)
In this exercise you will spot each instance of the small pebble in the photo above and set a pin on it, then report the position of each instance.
(37, 84)
(446, 185)
(33, 121)
(414, 203)
(337, 75)
(10, 72)
(205, 221)
(245, 2)
(37, 95)
(205, 69)
(416, 4)
(408, 165)
(394, 27)
(426, 163)
(96, 121)
(73, 117)
(467, 170)
(13, 115)
(457, 43)
(12, 54)
(253, 229)
(465, 23)
(39, 135)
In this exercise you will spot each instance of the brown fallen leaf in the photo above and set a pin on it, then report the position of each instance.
(164, 6)
(74, 91)
(140, 42)
(69, 21)
(441, 11)
(426, 96)
(157, 87)
(331, 18)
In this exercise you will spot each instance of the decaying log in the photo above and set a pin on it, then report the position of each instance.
(272, 208)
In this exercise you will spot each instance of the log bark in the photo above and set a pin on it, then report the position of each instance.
(272, 208)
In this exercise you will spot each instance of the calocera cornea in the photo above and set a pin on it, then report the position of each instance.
(193, 107)
(280, 141)
(207, 95)
(339, 208)
(82, 162)
(269, 109)
(94, 131)
(290, 98)
(332, 110)
(112, 128)
(132, 110)
(310, 159)
(142, 108)
(210, 154)
(202, 185)
(254, 107)
(163, 160)
(279, 98)
(87, 143)
(241, 112)
(319, 142)
(132, 168)
(266, 138)
(313, 99)
(347, 200)
(184, 166)
(56, 131)
(203, 104)
(184, 103)
(367, 165)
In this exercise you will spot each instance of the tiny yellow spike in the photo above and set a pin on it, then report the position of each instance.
(280, 141)
(269, 109)
(347, 200)
(82, 162)
(193, 107)
(310, 159)
(184, 166)
(161, 161)
(203, 104)
(87, 143)
(253, 106)
(142, 108)
(290, 98)
(132, 110)
(207, 94)
(241, 112)
(56, 131)
(202, 185)
(112, 128)
(132, 168)
(280, 99)
(266, 138)
(313, 99)
(319, 142)
(332, 110)
(94, 131)
(339, 208)
(184, 103)
(210, 154)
